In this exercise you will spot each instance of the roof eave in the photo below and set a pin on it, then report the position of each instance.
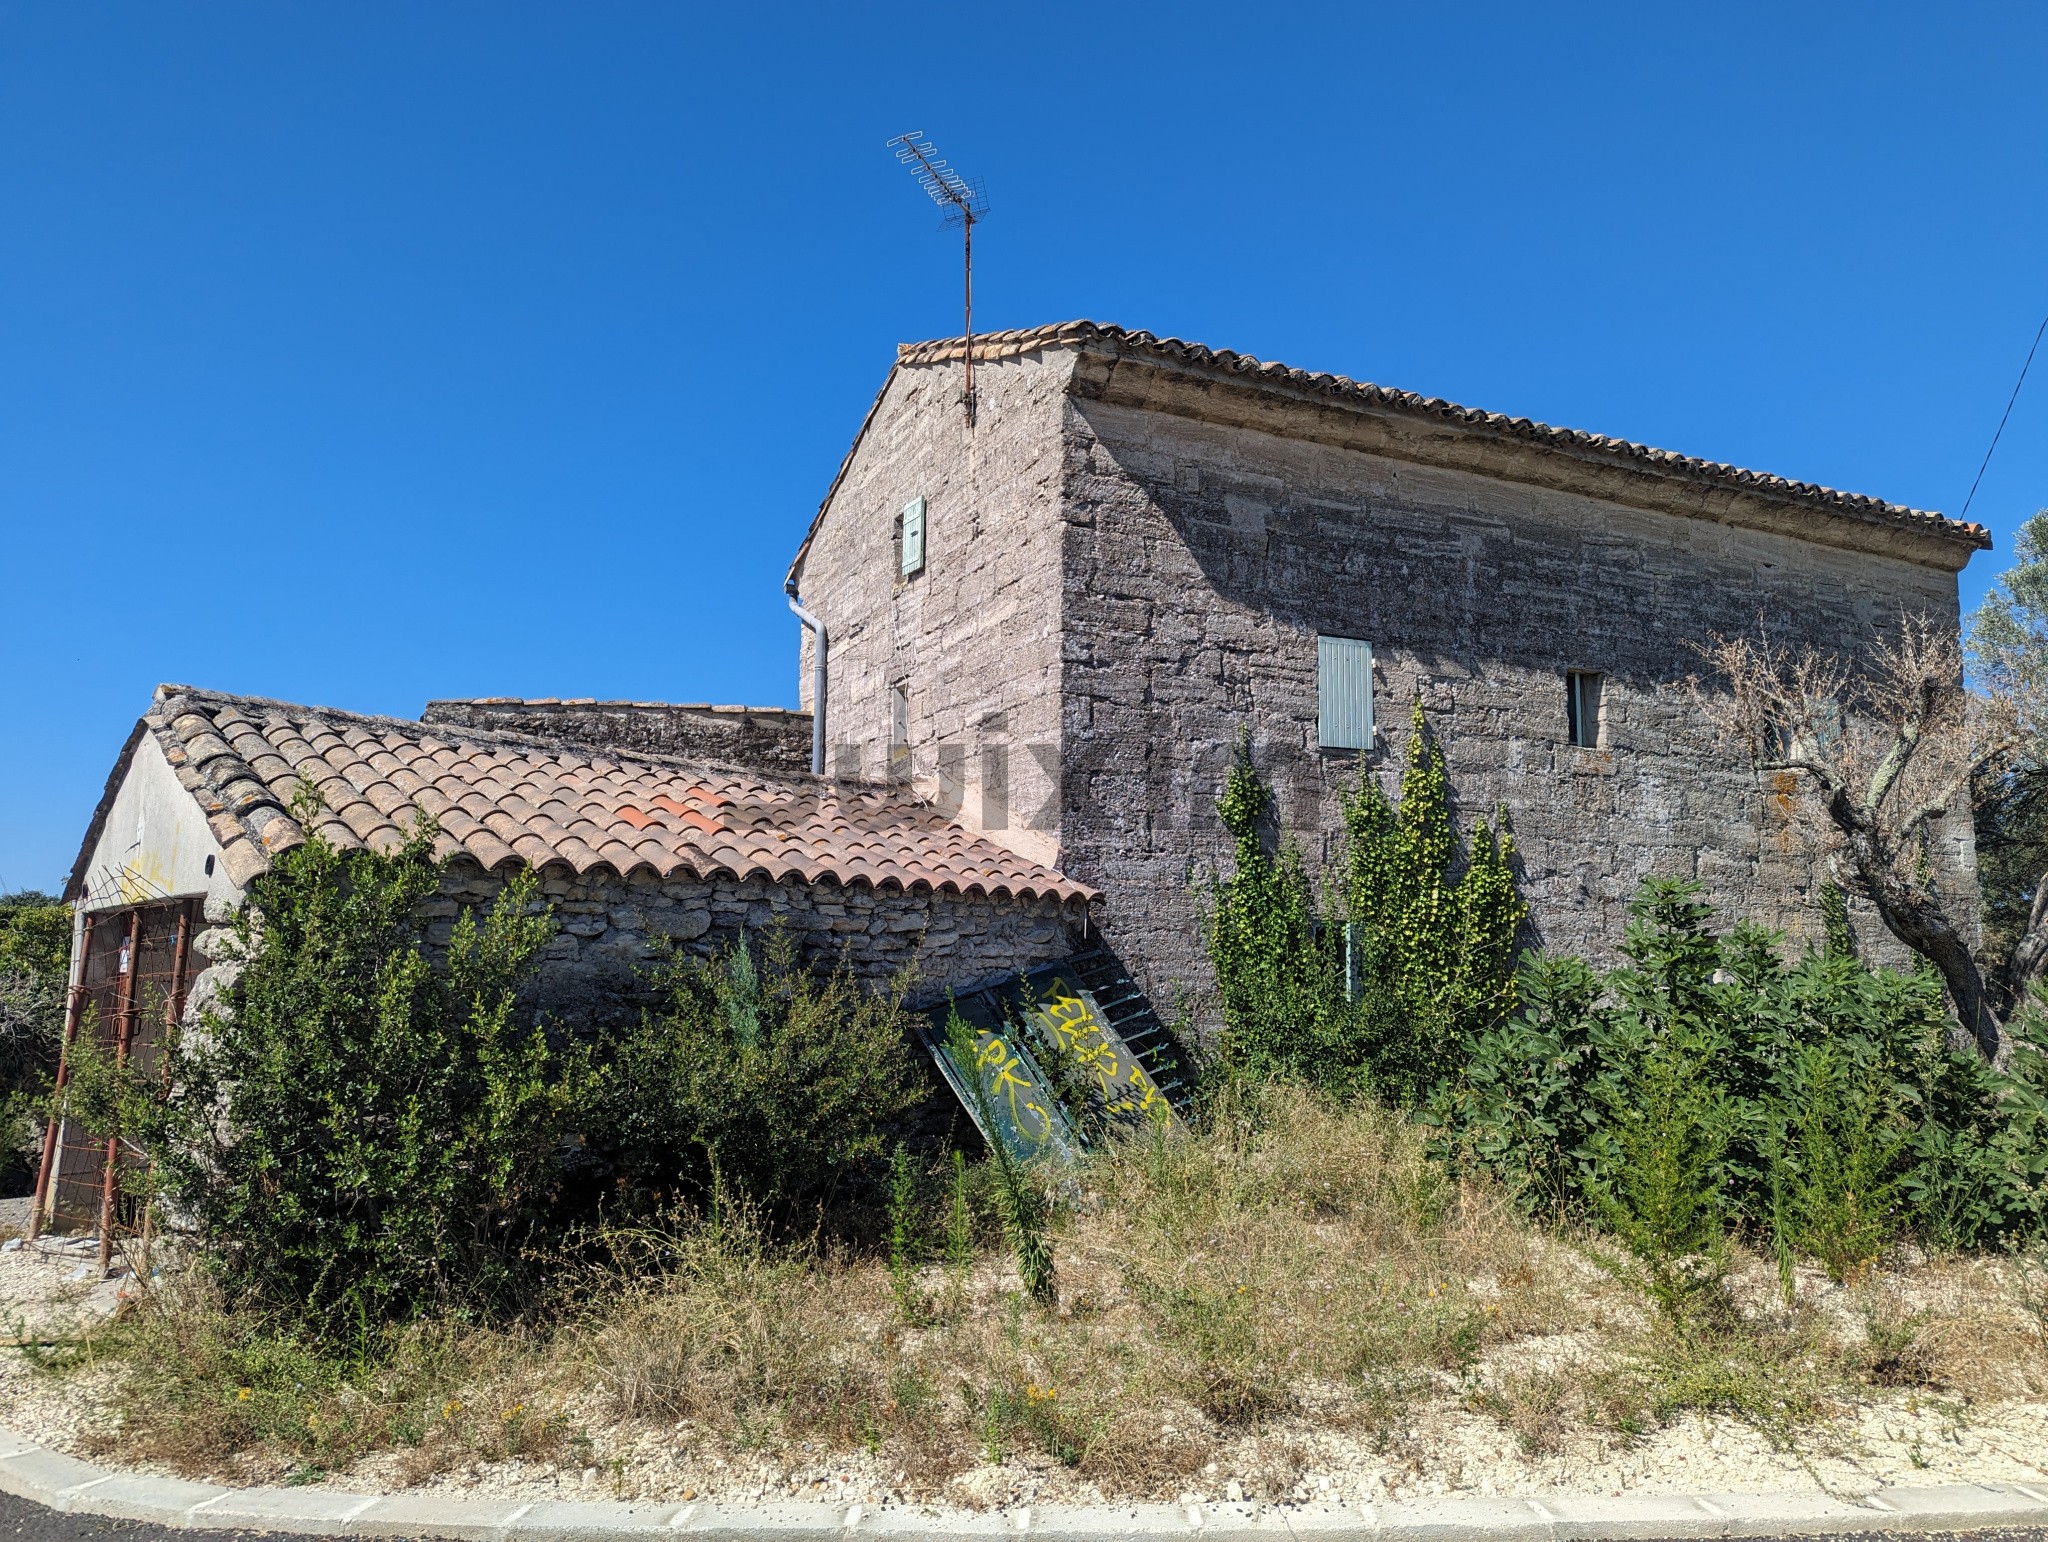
(74, 886)
(1926, 531)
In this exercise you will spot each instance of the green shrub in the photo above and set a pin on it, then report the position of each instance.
(1022, 1205)
(1979, 1169)
(1279, 984)
(35, 960)
(1666, 1122)
(1838, 1170)
(1810, 1102)
(362, 1137)
(767, 1078)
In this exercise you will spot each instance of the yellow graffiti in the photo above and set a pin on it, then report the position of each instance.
(1016, 1092)
(1125, 1086)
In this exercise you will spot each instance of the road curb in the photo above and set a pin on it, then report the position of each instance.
(28, 1471)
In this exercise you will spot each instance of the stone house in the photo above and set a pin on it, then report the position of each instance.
(643, 822)
(1056, 621)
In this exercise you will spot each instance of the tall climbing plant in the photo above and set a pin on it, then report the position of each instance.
(1280, 995)
(1383, 983)
(1431, 930)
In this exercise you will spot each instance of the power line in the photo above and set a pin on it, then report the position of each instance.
(2043, 327)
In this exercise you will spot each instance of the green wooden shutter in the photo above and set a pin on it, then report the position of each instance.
(1343, 693)
(913, 537)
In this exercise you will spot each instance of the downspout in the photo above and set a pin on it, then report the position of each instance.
(817, 679)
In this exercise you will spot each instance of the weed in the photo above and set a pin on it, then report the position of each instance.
(1535, 1406)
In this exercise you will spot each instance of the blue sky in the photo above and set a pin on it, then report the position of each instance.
(364, 353)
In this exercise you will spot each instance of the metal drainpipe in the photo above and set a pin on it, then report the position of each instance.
(817, 679)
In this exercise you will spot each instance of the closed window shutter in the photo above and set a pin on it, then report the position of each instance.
(913, 537)
(1343, 693)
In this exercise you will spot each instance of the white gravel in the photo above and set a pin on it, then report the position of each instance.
(1443, 1448)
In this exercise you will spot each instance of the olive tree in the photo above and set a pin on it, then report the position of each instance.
(1894, 744)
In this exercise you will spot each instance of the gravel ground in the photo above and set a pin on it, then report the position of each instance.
(1895, 1437)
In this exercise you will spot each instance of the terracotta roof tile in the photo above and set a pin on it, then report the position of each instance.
(503, 797)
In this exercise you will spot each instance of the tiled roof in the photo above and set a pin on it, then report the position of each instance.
(503, 798)
(1598, 447)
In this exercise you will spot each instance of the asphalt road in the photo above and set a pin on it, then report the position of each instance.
(26, 1518)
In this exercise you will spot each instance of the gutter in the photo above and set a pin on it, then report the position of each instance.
(817, 676)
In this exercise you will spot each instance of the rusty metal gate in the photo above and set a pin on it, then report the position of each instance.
(128, 995)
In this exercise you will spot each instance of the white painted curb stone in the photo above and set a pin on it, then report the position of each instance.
(28, 1471)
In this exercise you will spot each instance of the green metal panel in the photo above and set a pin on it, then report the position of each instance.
(913, 537)
(1013, 1103)
(1111, 1063)
(1095, 1063)
(1343, 693)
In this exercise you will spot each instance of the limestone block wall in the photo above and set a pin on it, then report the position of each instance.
(610, 928)
(772, 739)
(1202, 558)
(973, 640)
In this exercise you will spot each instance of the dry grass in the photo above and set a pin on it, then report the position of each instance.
(1308, 1270)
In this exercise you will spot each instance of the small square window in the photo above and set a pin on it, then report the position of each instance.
(1343, 693)
(1582, 707)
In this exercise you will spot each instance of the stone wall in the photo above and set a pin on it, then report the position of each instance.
(1128, 567)
(609, 927)
(772, 739)
(1202, 558)
(974, 638)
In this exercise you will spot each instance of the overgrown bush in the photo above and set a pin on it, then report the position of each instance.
(764, 1077)
(35, 956)
(1710, 1081)
(360, 1137)
(1383, 984)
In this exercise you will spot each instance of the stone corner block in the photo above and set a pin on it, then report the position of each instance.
(131, 1496)
(592, 1520)
(1107, 1523)
(435, 1515)
(1773, 1515)
(46, 1477)
(1599, 1517)
(280, 1509)
(756, 1523)
(1456, 1517)
(1963, 1505)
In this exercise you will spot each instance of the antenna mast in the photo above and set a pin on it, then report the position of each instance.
(964, 202)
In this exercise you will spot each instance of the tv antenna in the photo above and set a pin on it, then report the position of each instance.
(964, 201)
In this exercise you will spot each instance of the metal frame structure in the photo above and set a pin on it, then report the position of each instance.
(129, 962)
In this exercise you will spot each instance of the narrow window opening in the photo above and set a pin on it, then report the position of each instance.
(899, 729)
(1582, 707)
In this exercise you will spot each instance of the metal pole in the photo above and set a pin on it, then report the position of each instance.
(122, 1034)
(818, 679)
(967, 249)
(174, 1010)
(74, 1005)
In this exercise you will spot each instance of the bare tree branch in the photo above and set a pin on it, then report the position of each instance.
(1889, 743)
